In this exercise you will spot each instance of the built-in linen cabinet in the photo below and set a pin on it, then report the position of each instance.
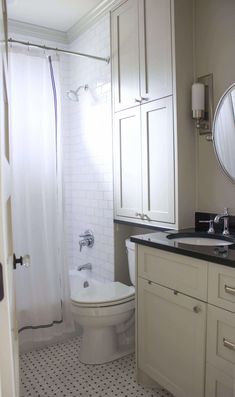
(141, 49)
(151, 67)
(143, 141)
(185, 324)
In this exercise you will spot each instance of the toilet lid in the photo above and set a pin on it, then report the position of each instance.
(107, 293)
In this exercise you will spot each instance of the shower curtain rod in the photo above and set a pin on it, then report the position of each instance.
(44, 47)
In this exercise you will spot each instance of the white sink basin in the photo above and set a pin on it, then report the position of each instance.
(201, 241)
(189, 238)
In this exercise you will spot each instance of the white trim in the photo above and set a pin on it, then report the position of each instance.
(40, 32)
(91, 17)
(43, 33)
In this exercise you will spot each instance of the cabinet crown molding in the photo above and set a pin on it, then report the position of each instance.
(90, 18)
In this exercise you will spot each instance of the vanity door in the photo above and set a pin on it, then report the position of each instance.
(171, 339)
(218, 384)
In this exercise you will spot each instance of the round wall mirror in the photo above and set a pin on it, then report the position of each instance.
(224, 132)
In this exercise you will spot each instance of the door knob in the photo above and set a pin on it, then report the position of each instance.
(22, 261)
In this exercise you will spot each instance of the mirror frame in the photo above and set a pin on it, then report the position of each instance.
(230, 88)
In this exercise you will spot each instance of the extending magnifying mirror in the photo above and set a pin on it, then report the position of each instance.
(224, 132)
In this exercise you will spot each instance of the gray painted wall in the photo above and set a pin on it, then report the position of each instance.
(214, 53)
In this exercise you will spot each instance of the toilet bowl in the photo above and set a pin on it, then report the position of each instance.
(106, 313)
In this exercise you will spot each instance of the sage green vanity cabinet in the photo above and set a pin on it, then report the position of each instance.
(185, 324)
(171, 339)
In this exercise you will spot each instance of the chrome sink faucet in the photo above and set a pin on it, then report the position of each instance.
(211, 229)
(225, 217)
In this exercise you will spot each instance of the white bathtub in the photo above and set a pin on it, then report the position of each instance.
(78, 280)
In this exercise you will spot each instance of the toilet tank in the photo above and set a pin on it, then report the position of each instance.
(130, 248)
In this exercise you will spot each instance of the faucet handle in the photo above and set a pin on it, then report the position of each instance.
(211, 229)
(86, 234)
(226, 211)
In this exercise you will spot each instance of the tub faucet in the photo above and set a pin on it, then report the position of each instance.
(225, 217)
(86, 266)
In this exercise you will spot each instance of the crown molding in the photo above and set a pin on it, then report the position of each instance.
(40, 32)
(91, 17)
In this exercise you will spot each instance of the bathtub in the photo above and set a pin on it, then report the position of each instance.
(80, 279)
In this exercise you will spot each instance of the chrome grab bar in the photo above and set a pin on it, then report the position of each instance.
(229, 290)
(228, 344)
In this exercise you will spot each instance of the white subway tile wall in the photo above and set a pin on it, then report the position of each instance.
(87, 154)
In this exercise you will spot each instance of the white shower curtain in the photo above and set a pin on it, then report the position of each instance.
(42, 290)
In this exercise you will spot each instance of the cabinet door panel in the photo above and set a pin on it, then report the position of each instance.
(221, 339)
(221, 286)
(218, 384)
(127, 163)
(125, 55)
(155, 48)
(158, 160)
(179, 272)
(171, 339)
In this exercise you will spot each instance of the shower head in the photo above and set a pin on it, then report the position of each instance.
(73, 95)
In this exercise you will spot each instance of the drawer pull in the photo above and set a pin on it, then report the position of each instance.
(229, 290)
(228, 344)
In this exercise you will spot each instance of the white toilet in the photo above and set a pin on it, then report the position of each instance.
(106, 313)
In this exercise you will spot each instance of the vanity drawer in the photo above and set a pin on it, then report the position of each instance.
(218, 384)
(179, 272)
(221, 339)
(221, 286)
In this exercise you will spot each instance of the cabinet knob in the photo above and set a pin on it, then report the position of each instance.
(144, 98)
(138, 99)
(197, 309)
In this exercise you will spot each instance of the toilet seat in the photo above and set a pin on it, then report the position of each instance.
(110, 294)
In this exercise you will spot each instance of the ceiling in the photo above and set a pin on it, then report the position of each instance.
(54, 14)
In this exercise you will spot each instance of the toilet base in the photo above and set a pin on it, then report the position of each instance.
(100, 346)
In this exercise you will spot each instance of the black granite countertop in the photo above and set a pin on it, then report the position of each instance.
(224, 254)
